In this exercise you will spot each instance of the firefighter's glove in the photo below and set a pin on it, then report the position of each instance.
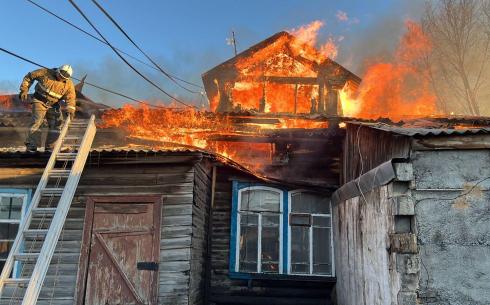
(23, 96)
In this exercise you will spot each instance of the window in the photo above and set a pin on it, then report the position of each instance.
(279, 232)
(310, 231)
(12, 206)
(259, 241)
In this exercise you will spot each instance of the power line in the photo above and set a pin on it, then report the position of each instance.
(90, 84)
(102, 41)
(124, 59)
(137, 47)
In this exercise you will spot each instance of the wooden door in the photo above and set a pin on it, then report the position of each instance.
(123, 251)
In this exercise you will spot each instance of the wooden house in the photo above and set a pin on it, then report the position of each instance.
(279, 74)
(178, 226)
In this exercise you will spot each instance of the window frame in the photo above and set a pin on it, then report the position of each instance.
(237, 228)
(14, 192)
(238, 187)
(310, 237)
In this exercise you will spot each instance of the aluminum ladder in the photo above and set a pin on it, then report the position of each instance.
(44, 219)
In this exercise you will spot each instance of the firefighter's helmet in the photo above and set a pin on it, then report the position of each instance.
(65, 71)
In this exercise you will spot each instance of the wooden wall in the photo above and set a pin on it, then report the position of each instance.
(223, 290)
(183, 214)
(200, 222)
(365, 148)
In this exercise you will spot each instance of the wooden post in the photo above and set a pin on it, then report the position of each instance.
(332, 101)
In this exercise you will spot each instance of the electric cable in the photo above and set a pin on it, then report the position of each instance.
(90, 84)
(124, 59)
(102, 41)
(138, 47)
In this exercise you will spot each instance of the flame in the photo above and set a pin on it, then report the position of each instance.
(173, 128)
(307, 39)
(395, 89)
(6, 102)
(256, 88)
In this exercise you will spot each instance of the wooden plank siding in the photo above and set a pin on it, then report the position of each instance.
(366, 148)
(185, 190)
(224, 290)
(200, 219)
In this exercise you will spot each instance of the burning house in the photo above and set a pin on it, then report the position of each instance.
(274, 198)
(281, 74)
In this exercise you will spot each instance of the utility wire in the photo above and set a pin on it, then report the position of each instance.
(102, 41)
(137, 47)
(124, 59)
(90, 84)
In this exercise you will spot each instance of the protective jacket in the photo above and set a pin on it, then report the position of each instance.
(49, 89)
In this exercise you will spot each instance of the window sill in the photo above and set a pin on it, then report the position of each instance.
(282, 277)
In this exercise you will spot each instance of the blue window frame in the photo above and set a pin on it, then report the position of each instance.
(13, 206)
(275, 231)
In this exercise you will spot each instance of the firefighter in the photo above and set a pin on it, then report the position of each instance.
(53, 85)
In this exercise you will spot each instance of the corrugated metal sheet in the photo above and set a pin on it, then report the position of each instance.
(412, 132)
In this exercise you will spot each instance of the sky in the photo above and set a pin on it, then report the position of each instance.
(186, 38)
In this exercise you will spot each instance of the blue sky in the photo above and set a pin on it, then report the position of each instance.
(185, 37)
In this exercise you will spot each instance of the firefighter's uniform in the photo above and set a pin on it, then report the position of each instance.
(51, 88)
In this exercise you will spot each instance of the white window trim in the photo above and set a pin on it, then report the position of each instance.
(259, 229)
(310, 232)
(15, 221)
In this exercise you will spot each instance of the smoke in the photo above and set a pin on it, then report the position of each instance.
(376, 40)
(112, 73)
(9, 87)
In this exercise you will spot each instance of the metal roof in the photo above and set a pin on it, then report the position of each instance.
(413, 131)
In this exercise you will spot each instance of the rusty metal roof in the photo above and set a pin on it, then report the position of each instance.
(417, 131)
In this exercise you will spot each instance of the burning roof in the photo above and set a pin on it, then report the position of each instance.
(281, 74)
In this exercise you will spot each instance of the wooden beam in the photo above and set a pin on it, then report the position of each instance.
(291, 80)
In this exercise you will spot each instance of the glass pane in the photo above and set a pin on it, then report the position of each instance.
(322, 261)
(270, 243)
(260, 200)
(300, 220)
(4, 249)
(10, 207)
(300, 250)
(8, 231)
(248, 243)
(16, 207)
(321, 221)
(304, 202)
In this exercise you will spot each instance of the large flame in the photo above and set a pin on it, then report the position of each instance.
(171, 128)
(396, 89)
(308, 35)
(256, 88)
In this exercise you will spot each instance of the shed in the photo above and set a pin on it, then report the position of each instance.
(411, 221)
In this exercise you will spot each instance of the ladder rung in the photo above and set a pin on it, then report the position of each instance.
(43, 211)
(66, 156)
(71, 138)
(26, 256)
(35, 232)
(16, 281)
(52, 191)
(59, 173)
